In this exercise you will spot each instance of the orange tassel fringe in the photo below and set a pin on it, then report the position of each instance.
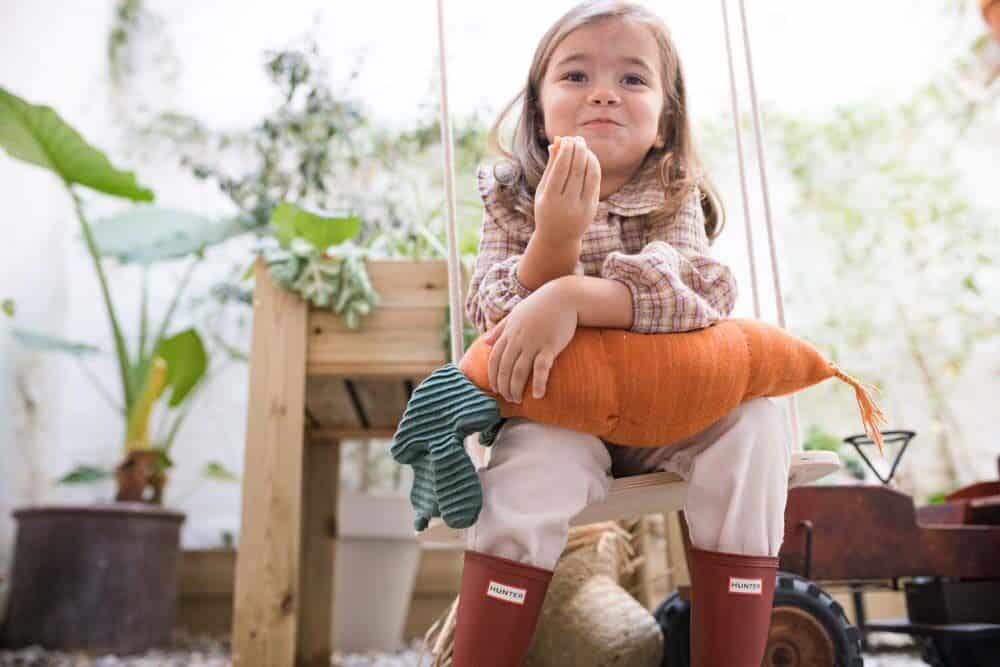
(871, 413)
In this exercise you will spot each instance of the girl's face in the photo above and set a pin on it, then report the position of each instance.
(609, 69)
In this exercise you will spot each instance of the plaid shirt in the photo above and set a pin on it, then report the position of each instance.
(662, 259)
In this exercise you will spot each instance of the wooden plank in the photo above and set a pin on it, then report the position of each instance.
(319, 521)
(676, 556)
(266, 595)
(378, 350)
(369, 368)
(647, 570)
(207, 572)
(354, 433)
(383, 400)
(325, 322)
(328, 401)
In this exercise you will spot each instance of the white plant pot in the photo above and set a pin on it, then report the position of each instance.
(374, 571)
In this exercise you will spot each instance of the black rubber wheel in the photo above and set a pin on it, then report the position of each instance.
(674, 617)
(808, 627)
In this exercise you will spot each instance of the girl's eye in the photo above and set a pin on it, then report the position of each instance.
(637, 80)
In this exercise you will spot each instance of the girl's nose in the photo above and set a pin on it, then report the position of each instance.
(603, 96)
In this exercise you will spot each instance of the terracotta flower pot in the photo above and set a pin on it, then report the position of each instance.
(98, 578)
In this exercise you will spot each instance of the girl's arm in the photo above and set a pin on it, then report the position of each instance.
(599, 302)
(674, 283)
(513, 261)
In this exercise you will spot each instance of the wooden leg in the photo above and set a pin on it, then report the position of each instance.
(266, 596)
(677, 546)
(319, 535)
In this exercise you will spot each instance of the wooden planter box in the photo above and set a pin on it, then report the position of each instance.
(313, 383)
(205, 595)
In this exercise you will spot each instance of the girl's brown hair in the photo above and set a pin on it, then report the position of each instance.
(680, 168)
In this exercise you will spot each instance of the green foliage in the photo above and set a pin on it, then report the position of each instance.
(290, 221)
(328, 276)
(937, 498)
(818, 439)
(40, 341)
(217, 471)
(187, 362)
(38, 135)
(146, 235)
(84, 474)
(8, 307)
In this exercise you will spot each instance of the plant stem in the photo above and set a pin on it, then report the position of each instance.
(121, 349)
(144, 313)
(115, 405)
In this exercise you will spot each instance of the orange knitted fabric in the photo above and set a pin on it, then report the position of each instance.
(650, 390)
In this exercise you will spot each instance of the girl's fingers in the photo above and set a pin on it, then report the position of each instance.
(577, 171)
(540, 377)
(494, 366)
(592, 181)
(560, 170)
(519, 377)
(494, 333)
(511, 355)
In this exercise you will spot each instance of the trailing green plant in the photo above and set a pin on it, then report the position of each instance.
(316, 258)
(162, 365)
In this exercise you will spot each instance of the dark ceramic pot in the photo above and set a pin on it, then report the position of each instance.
(97, 578)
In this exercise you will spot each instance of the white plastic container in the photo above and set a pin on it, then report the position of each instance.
(374, 572)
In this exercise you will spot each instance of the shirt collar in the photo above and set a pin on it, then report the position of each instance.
(641, 195)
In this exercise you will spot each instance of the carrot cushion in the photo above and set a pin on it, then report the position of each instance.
(642, 390)
(649, 390)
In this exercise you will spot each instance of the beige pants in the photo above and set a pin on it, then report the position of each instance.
(541, 476)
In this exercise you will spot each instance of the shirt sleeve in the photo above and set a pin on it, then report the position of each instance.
(675, 285)
(494, 289)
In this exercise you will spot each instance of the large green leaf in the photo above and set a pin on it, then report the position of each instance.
(186, 363)
(146, 234)
(51, 343)
(38, 135)
(289, 221)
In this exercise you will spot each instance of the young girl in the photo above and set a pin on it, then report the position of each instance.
(611, 232)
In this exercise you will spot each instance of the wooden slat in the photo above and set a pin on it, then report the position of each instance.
(319, 520)
(377, 351)
(326, 323)
(207, 572)
(267, 569)
(676, 556)
(383, 400)
(348, 433)
(328, 401)
(369, 368)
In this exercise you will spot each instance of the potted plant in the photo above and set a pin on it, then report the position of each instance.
(103, 577)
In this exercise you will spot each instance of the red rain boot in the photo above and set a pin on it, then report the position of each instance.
(731, 600)
(498, 607)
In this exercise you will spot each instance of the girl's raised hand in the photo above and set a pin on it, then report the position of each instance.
(566, 197)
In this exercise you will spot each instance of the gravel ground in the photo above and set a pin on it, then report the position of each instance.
(190, 651)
